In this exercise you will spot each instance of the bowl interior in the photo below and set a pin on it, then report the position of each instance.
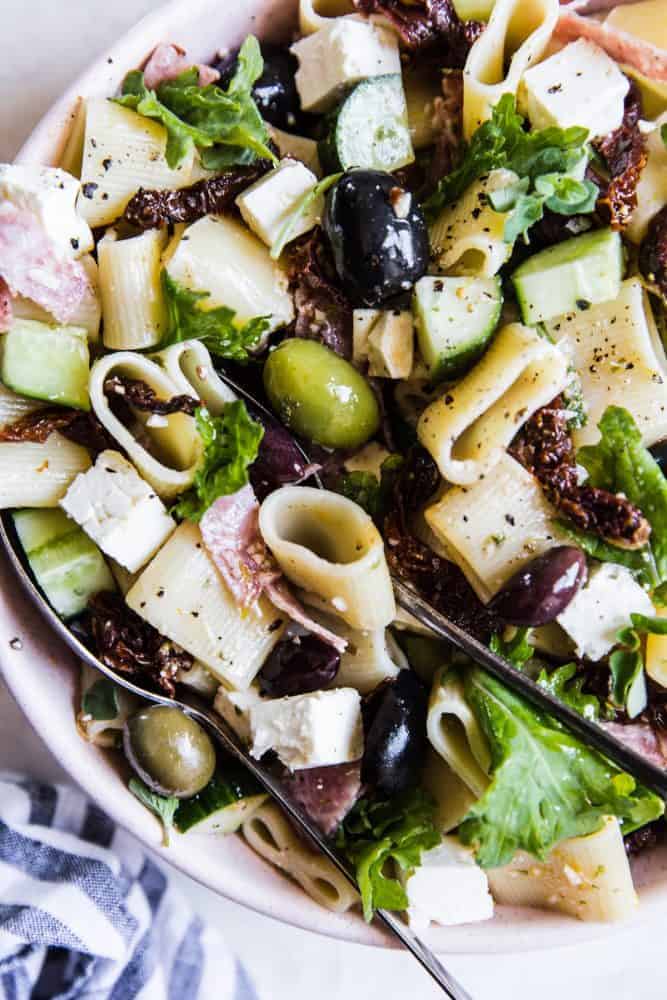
(41, 672)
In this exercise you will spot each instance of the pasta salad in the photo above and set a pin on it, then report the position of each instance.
(429, 237)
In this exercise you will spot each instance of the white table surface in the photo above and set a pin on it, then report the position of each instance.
(43, 45)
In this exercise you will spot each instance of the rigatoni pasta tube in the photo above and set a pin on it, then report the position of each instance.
(468, 429)
(188, 364)
(13, 407)
(316, 14)
(518, 33)
(39, 475)
(455, 734)
(330, 547)
(270, 835)
(176, 440)
(135, 313)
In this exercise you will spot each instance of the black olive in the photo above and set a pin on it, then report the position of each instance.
(378, 236)
(275, 91)
(395, 734)
(298, 664)
(540, 591)
(659, 452)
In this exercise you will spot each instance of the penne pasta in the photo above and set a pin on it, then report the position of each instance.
(468, 429)
(135, 314)
(39, 475)
(316, 14)
(176, 443)
(13, 407)
(327, 545)
(188, 364)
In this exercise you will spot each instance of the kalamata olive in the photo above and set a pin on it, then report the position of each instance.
(170, 752)
(659, 452)
(395, 734)
(378, 236)
(540, 591)
(275, 92)
(319, 395)
(297, 665)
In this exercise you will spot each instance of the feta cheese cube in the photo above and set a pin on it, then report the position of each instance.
(384, 339)
(119, 511)
(234, 707)
(580, 85)
(448, 888)
(342, 53)
(604, 605)
(267, 205)
(50, 194)
(309, 730)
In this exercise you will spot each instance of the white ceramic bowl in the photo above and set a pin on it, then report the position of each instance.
(42, 673)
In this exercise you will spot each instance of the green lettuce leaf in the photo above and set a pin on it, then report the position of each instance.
(214, 327)
(231, 442)
(545, 784)
(639, 561)
(100, 701)
(376, 836)
(164, 807)
(566, 684)
(225, 126)
(517, 650)
(620, 463)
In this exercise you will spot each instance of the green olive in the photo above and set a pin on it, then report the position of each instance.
(319, 395)
(169, 751)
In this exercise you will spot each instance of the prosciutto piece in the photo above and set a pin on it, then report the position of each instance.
(33, 266)
(326, 794)
(230, 530)
(640, 737)
(169, 61)
(5, 307)
(594, 6)
(620, 45)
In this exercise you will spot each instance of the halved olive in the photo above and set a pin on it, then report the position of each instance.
(542, 589)
(320, 395)
(170, 752)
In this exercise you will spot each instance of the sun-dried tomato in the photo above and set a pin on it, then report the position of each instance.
(544, 447)
(82, 428)
(427, 24)
(624, 155)
(129, 645)
(141, 396)
(323, 311)
(151, 209)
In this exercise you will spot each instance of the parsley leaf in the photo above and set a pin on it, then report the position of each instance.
(545, 784)
(565, 684)
(100, 701)
(619, 462)
(163, 807)
(231, 443)
(302, 207)
(517, 650)
(214, 327)
(225, 126)
(559, 192)
(377, 833)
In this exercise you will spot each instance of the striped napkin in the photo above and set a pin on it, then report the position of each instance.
(84, 913)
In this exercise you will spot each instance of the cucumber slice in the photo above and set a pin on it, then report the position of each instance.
(455, 319)
(66, 564)
(370, 128)
(570, 276)
(47, 362)
(220, 808)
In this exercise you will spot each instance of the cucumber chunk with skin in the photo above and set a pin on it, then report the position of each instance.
(66, 564)
(223, 805)
(570, 276)
(370, 128)
(455, 318)
(47, 362)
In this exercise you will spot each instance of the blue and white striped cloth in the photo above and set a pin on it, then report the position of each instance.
(85, 914)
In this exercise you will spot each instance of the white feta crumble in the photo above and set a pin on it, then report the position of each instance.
(448, 888)
(601, 608)
(50, 195)
(267, 204)
(309, 730)
(385, 340)
(119, 511)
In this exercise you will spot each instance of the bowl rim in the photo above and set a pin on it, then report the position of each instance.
(513, 929)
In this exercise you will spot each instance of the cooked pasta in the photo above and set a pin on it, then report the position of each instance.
(13, 407)
(39, 475)
(329, 546)
(188, 364)
(456, 735)
(516, 36)
(316, 14)
(176, 443)
(183, 596)
(270, 834)
(451, 794)
(468, 429)
(135, 314)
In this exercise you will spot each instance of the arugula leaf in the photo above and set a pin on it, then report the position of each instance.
(214, 327)
(301, 208)
(620, 463)
(100, 701)
(376, 834)
(565, 684)
(225, 126)
(545, 784)
(163, 807)
(231, 443)
(639, 561)
(363, 488)
(652, 625)
(502, 141)
(517, 650)
(627, 663)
